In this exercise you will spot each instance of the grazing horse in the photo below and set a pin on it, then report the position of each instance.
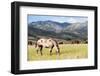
(47, 43)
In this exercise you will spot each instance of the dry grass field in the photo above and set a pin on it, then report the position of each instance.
(68, 51)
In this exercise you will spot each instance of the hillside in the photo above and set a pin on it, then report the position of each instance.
(64, 31)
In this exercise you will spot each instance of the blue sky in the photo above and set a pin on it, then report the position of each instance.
(61, 19)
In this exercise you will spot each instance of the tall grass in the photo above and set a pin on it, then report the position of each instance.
(68, 51)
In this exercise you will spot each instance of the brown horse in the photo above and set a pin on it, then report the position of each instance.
(47, 43)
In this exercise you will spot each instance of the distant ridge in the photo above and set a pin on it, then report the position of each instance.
(58, 30)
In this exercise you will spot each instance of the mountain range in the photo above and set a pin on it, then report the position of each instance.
(64, 31)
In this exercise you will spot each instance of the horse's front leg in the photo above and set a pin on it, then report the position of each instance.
(51, 50)
(57, 50)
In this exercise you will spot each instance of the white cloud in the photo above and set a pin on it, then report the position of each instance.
(76, 19)
(72, 20)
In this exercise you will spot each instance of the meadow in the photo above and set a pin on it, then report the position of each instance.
(68, 51)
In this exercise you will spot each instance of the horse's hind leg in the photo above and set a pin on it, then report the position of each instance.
(41, 50)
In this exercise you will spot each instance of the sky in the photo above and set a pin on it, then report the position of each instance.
(61, 19)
